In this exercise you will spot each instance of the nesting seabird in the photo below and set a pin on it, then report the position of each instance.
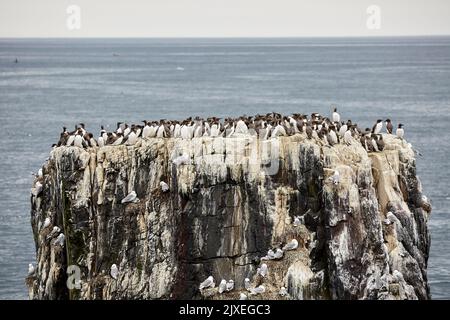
(46, 222)
(209, 282)
(258, 290)
(247, 284)
(114, 272)
(242, 296)
(131, 197)
(283, 292)
(230, 285)
(30, 269)
(164, 186)
(222, 286)
(335, 178)
(263, 270)
(54, 232)
(60, 240)
(38, 187)
(278, 254)
(292, 245)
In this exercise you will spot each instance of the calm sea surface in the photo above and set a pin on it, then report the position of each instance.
(100, 81)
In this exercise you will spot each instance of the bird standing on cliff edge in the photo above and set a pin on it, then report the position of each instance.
(222, 286)
(258, 290)
(335, 178)
(131, 197)
(209, 282)
(292, 245)
(164, 186)
(336, 116)
(230, 285)
(283, 292)
(263, 270)
(377, 126)
(400, 131)
(247, 284)
(30, 269)
(278, 254)
(60, 240)
(46, 223)
(114, 271)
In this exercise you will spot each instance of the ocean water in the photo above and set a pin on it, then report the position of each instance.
(102, 81)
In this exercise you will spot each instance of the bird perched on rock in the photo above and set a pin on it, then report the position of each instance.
(269, 256)
(242, 296)
(30, 269)
(335, 178)
(336, 116)
(230, 285)
(131, 197)
(54, 232)
(400, 131)
(222, 286)
(292, 245)
(37, 189)
(389, 126)
(297, 222)
(60, 240)
(278, 254)
(46, 222)
(258, 290)
(208, 283)
(377, 126)
(164, 186)
(247, 284)
(283, 292)
(263, 270)
(348, 137)
(114, 272)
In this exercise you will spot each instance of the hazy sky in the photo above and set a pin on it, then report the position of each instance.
(222, 18)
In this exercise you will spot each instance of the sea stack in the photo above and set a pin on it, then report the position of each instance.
(232, 200)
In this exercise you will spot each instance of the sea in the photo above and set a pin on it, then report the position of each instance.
(62, 82)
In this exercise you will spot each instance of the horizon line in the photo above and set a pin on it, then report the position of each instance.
(226, 37)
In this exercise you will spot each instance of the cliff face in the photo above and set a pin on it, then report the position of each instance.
(234, 200)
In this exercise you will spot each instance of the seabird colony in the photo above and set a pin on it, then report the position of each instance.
(330, 131)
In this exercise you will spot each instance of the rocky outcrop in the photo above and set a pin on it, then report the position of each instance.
(365, 237)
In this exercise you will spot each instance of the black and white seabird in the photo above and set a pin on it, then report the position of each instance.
(336, 116)
(400, 131)
(389, 126)
(377, 126)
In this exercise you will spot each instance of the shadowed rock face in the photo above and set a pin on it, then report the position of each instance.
(236, 199)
